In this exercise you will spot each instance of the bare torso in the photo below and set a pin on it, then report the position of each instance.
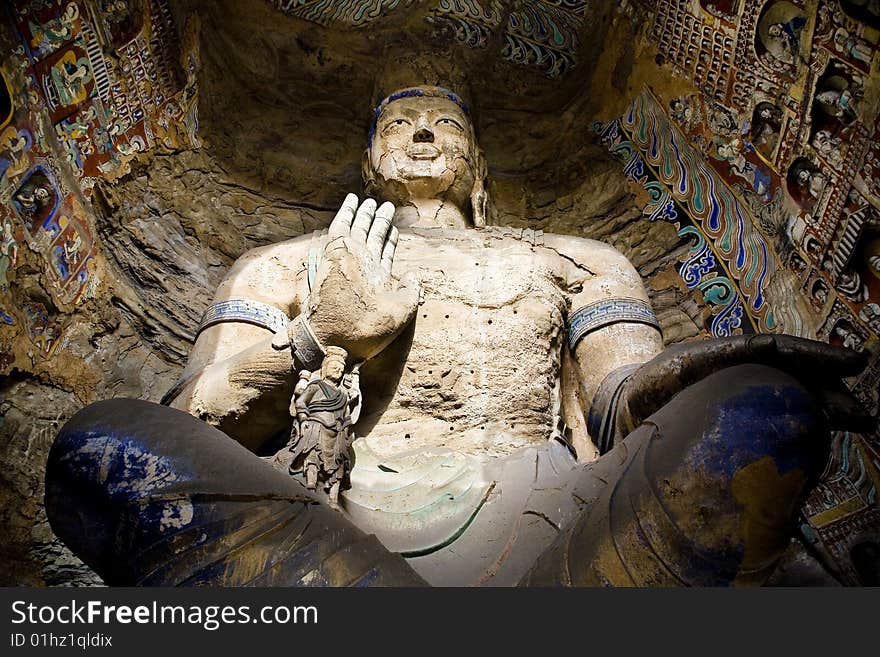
(479, 370)
(482, 360)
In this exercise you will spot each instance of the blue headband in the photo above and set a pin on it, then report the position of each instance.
(430, 92)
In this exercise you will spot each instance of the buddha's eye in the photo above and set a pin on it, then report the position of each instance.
(395, 124)
(448, 121)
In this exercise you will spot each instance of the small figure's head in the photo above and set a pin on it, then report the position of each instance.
(775, 30)
(871, 316)
(333, 366)
(422, 146)
(829, 97)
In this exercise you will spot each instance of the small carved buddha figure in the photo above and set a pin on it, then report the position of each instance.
(521, 423)
(322, 437)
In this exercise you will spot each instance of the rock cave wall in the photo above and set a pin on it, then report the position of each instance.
(146, 144)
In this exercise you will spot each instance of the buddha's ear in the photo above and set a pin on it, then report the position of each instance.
(368, 174)
(479, 195)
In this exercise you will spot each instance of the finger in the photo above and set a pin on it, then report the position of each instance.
(811, 357)
(682, 365)
(379, 229)
(362, 221)
(390, 248)
(341, 224)
(335, 246)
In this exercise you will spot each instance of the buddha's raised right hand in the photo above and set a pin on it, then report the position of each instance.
(355, 302)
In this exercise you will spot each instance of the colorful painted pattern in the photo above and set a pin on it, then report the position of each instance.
(721, 218)
(608, 311)
(538, 33)
(327, 12)
(86, 85)
(106, 109)
(785, 116)
(701, 268)
(44, 330)
(842, 511)
(785, 119)
(543, 36)
(100, 110)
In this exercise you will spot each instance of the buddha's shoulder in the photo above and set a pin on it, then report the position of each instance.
(284, 256)
(596, 255)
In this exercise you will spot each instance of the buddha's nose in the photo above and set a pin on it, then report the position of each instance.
(423, 133)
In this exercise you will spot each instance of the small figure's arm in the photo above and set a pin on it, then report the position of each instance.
(301, 403)
(351, 382)
(301, 385)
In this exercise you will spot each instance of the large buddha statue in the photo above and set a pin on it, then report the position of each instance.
(521, 422)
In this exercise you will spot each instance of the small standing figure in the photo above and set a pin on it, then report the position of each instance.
(787, 37)
(852, 46)
(322, 435)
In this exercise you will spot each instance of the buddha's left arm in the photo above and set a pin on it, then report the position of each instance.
(610, 321)
(612, 330)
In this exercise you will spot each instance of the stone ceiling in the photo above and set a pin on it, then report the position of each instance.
(544, 34)
(289, 86)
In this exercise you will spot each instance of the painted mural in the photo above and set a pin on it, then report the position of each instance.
(87, 85)
(542, 34)
(703, 268)
(771, 163)
(106, 109)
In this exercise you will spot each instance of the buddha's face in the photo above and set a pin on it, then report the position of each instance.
(423, 148)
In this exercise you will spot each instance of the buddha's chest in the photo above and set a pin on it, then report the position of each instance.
(467, 276)
(478, 368)
(489, 328)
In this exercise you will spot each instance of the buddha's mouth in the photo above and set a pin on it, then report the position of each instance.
(423, 152)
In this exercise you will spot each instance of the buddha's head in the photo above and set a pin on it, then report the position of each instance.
(422, 147)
